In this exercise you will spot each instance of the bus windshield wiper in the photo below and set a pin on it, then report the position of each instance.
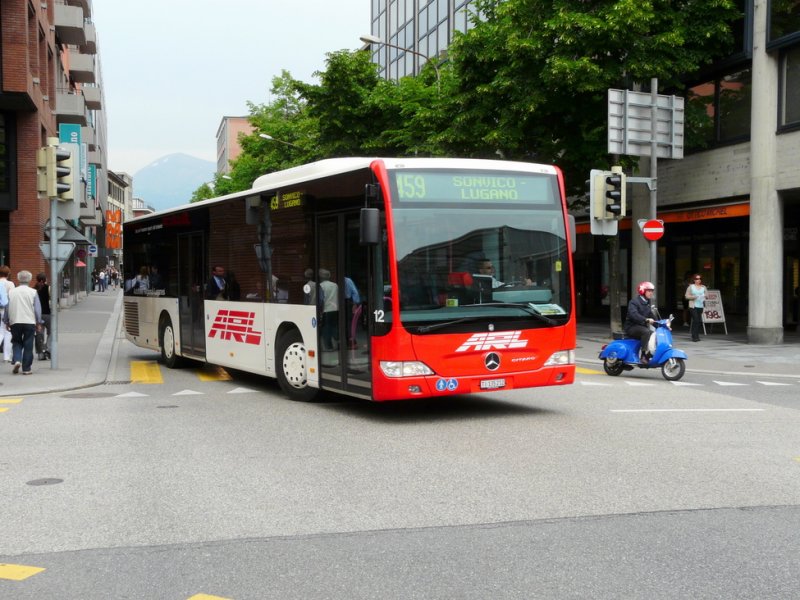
(434, 326)
(527, 308)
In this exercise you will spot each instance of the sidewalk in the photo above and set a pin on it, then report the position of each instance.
(86, 338)
(89, 331)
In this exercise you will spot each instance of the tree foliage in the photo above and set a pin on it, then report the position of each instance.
(527, 82)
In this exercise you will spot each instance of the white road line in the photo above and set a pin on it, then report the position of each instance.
(772, 383)
(639, 383)
(602, 383)
(686, 383)
(131, 395)
(187, 393)
(661, 410)
(241, 390)
(729, 383)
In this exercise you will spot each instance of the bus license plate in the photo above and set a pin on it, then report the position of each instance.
(492, 384)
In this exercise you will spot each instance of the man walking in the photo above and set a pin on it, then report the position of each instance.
(24, 317)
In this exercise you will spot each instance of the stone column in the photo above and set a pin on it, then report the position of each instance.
(765, 314)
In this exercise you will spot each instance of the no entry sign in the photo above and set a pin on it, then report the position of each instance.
(653, 229)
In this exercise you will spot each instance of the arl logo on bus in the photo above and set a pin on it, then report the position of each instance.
(501, 340)
(236, 326)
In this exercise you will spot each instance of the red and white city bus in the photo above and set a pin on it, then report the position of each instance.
(366, 276)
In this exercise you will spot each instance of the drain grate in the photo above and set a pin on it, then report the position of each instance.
(45, 481)
(120, 382)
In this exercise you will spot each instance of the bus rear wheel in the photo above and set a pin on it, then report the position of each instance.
(291, 360)
(167, 339)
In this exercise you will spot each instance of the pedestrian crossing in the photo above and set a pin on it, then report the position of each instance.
(609, 382)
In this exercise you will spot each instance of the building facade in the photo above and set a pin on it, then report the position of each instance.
(425, 27)
(228, 148)
(50, 87)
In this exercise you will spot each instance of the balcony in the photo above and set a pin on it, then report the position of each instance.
(70, 26)
(90, 47)
(84, 4)
(70, 108)
(81, 67)
(89, 137)
(93, 97)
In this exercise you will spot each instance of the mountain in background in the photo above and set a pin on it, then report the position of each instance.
(171, 180)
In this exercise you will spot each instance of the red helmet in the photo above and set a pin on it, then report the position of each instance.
(644, 286)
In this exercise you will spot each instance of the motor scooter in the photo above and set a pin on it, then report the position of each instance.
(623, 353)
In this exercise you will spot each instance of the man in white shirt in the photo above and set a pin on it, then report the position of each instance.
(24, 317)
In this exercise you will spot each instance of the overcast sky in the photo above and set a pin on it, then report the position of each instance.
(173, 68)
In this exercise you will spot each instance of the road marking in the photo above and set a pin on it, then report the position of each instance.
(213, 374)
(2, 410)
(639, 383)
(603, 383)
(187, 393)
(207, 597)
(145, 371)
(685, 383)
(661, 410)
(729, 383)
(18, 572)
(131, 395)
(241, 390)
(587, 371)
(772, 383)
(10, 400)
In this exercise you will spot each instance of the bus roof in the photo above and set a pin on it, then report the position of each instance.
(336, 166)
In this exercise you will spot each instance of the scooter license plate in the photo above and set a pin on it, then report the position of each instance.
(493, 384)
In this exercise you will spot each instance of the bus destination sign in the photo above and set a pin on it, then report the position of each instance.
(458, 187)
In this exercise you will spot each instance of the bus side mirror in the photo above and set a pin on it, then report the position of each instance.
(370, 231)
(252, 204)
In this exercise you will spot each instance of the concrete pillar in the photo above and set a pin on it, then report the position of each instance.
(765, 314)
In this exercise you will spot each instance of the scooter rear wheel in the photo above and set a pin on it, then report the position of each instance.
(613, 366)
(673, 369)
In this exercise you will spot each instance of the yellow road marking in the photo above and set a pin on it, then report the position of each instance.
(18, 572)
(2, 410)
(10, 400)
(587, 371)
(214, 374)
(145, 371)
(207, 597)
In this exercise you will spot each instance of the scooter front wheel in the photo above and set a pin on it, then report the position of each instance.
(613, 366)
(673, 369)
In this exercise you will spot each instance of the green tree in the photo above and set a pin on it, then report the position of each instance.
(532, 75)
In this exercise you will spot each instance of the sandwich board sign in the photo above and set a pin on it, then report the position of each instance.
(713, 312)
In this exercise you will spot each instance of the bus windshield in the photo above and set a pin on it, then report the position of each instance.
(480, 245)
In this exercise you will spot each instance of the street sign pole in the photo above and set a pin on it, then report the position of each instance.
(55, 291)
(653, 171)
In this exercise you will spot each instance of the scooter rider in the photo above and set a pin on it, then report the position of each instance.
(640, 315)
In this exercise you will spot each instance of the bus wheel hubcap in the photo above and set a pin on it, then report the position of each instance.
(294, 365)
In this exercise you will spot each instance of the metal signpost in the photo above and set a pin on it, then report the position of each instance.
(641, 124)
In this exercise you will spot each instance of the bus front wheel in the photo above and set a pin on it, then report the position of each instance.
(292, 362)
(167, 338)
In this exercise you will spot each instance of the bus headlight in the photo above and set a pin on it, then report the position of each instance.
(562, 357)
(393, 368)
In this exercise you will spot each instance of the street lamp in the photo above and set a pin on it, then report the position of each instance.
(266, 136)
(371, 39)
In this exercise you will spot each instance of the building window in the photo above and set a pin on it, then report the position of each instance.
(718, 112)
(784, 19)
(790, 88)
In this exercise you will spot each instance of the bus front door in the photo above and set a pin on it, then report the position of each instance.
(343, 279)
(192, 273)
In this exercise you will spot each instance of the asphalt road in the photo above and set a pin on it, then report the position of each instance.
(626, 487)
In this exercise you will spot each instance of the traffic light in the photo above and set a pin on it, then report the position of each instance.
(65, 171)
(41, 171)
(614, 200)
(597, 189)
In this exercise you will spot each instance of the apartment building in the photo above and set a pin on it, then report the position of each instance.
(50, 87)
(228, 148)
(731, 206)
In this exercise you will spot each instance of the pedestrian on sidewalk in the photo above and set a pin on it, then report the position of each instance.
(5, 333)
(43, 334)
(24, 317)
(696, 294)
